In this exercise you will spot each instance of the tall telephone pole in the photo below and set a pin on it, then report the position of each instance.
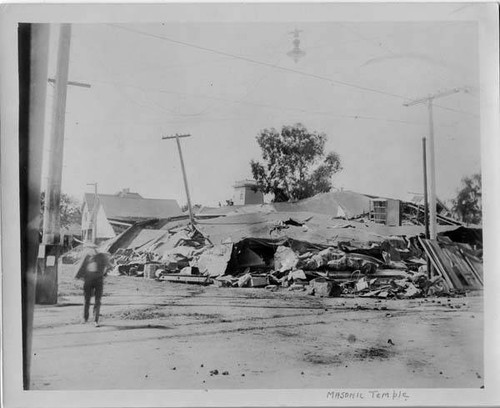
(426, 201)
(51, 218)
(49, 251)
(176, 137)
(432, 204)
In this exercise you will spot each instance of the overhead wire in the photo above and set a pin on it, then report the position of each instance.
(264, 105)
(241, 100)
(263, 63)
(270, 65)
(390, 51)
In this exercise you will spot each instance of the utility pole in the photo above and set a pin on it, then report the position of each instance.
(51, 217)
(49, 251)
(176, 137)
(95, 209)
(426, 202)
(429, 100)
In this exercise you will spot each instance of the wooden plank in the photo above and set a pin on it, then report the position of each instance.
(478, 275)
(432, 257)
(202, 280)
(447, 269)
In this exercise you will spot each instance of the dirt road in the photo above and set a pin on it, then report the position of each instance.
(159, 335)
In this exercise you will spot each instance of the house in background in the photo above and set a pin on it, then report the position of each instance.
(114, 213)
(247, 192)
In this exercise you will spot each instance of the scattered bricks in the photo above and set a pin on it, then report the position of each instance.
(411, 291)
(361, 285)
(219, 283)
(259, 281)
(297, 275)
(338, 264)
(244, 280)
(325, 288)
(297, 287)
(285, 259)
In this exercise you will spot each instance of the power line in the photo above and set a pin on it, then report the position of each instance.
(267, 64)
(279, 67)
(269, 106)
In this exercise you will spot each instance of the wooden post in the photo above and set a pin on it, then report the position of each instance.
(432, 167)
(432, 200)
(46, 287)
(51, 217)
(426, 205)
(176, 137)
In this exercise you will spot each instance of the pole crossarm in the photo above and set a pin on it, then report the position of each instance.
(175, 136)
(74, 83)
(435, 96)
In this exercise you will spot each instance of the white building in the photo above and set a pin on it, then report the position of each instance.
(116, 212)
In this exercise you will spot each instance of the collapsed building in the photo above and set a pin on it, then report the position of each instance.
(328, 245)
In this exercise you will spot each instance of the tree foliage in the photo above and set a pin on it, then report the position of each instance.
(295, 163)
(468, 203)
(70, 210)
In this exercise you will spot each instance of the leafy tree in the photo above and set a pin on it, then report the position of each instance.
(296, 166)
(468, 203)
(70, 210)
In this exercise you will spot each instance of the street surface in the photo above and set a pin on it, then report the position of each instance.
(161, 335)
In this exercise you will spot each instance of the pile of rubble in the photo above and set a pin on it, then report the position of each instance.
(393, 268)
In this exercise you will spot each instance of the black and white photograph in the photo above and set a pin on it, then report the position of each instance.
(250, 204)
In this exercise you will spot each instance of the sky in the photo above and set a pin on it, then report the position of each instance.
(223, 82)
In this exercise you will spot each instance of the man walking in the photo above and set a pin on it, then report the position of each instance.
(92, 269)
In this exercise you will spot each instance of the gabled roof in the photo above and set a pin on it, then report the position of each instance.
(134, 208)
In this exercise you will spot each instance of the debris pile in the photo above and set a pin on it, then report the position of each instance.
(389, 267)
